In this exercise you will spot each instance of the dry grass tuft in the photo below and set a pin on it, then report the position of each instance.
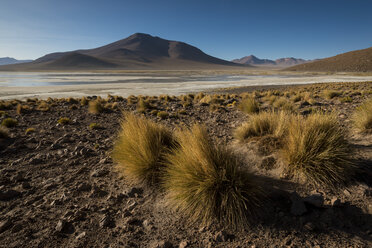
(30, 130)
(4, 132)
(262, 124)
(9, 122)
(249, 106)
(206, 183)
(95, 107)
(316, 150)
(64, 121)
(329, 94)
(362, 117)
(140, 149)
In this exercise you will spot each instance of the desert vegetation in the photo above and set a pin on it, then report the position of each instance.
(128, 181)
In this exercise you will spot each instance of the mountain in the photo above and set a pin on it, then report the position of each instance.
(282, 62)
(11, 61)
(138, 51)
(354, 61)
(253, 60)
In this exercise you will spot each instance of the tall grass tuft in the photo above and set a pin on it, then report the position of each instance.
(205, 182)
(249, 106)
(140, 149)
(362, 117)
(316, 151)
(95, 107)
(261, 124)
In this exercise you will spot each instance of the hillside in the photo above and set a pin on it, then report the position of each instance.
(354, 61)
(138, 51)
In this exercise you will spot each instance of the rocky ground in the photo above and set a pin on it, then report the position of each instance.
(59, 186)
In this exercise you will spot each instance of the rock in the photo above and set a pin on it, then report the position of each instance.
(10, 194)
(316, 200)
(99, 173)
(132, 221)
(147, 225)
(131, 204)
(298, 207)
(64, 227)
(84, 187)
(81, 236)
(222, 236)
(183, 244)
(135, 192)
(335, 202)
(106, 221)
(5, 225)
(347, 192)
(160, 244)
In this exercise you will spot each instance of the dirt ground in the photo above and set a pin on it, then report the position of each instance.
(59, 186)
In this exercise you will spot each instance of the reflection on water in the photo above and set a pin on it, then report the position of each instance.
(60, 79)
(43, 85)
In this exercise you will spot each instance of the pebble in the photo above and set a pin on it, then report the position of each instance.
(81, 235)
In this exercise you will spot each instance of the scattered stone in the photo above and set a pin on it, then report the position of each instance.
(64, 227)
(222, 236)
(298, 207)
(347, 192)
(183, 244)
(84, 187)
(147, 225)
(309, 226)
(10, 194)
(335, 202)
(99, 173)
(135, 192)
(106, 221)
(160, 244)
(5, 225)
(81, 236)
(316, 200)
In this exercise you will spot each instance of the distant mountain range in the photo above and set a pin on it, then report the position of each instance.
(11, 61)
(282, 62)
(138, 51)
(354, 61)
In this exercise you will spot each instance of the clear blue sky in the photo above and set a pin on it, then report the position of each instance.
(224, 28)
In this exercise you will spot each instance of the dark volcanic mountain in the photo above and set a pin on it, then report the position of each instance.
(11, 61)
(354, 61)
(282, 62)
(138, 51)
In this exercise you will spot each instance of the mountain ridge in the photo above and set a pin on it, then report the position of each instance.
(138, 51)
(281, 62)
(11, 61)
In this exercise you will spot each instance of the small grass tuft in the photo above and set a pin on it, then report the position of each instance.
(64, 121)
(140, 149)
(162, 114)
(9, 122)
(206, 183)
(330, 94)
(4, 132)
(30, 130)
(95, 107)
(249, 106)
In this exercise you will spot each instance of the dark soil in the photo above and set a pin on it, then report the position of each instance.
(59, 186)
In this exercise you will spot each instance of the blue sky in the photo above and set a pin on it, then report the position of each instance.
(223, 28)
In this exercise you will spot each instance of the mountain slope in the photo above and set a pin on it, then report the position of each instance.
(138, 51)
(354, 61)
(11, 61)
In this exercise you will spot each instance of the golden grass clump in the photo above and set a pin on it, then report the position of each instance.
(315, 150)
(262, 124)
(30, 130)
(249, 106)
(329, 94)
(206, 182)
(4, 132)
(95, 126)
(9, 122)
(95, 107)
(362, 117)
(84, 101)
(43, 106)
(140, 149)
(64, 121)
(162, 114)
(143, 105)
